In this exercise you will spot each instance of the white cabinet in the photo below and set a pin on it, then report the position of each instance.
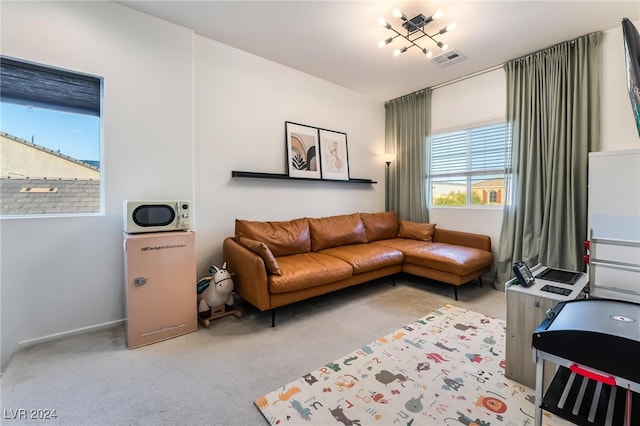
(160, 286)
(614, 224)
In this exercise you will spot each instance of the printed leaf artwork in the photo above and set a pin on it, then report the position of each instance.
(298, 162)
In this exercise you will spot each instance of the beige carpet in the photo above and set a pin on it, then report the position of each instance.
(213, 376)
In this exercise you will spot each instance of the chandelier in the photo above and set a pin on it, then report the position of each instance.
(415, 30)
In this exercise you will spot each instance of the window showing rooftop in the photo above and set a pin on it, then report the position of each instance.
(50, 122)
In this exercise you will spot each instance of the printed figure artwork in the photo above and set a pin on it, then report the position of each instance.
(302, 151)
(335, 159)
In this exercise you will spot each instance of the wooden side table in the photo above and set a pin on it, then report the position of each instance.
(526, 309)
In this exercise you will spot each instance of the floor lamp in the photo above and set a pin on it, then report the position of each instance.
(388, 158)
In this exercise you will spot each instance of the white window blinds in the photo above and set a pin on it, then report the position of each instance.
(474, 151)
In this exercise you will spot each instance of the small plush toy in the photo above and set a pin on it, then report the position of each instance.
(216, 290)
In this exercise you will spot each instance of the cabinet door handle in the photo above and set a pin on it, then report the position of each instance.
(536, 304)
(139, 281)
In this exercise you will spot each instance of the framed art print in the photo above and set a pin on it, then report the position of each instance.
(335, 156)
(303, 149)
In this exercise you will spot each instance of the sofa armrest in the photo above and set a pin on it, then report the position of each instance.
(467, 239)
(250, 280)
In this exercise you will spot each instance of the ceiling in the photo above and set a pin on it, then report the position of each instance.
(337, 40)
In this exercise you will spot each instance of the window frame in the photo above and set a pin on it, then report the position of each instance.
(469, 174)
(91, 105)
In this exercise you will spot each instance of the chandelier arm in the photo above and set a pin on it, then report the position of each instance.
(419, 37)
(412, 41)
(431, 36)
(397, 33)
(406, 37)
(433, 39)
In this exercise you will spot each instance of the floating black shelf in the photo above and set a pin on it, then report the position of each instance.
(282, 176)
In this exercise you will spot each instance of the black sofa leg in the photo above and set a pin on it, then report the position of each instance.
(273, 318)
(480, 280)
(455, 292)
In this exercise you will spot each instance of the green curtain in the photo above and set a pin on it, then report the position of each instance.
(553, 106)
(407, 126)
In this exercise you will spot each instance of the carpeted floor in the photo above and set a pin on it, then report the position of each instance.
(213, 376)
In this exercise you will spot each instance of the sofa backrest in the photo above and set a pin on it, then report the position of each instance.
(380, 226)
(479, 241)
(334, 231)
(283, 238)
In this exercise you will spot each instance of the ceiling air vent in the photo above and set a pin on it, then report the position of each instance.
(449, 57)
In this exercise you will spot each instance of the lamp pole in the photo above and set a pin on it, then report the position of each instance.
(386, 187)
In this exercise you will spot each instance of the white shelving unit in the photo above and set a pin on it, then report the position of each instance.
(616, 276)
(614, 225)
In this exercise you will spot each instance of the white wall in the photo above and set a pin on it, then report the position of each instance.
(61, 275)
(65, 274)
(242, 103)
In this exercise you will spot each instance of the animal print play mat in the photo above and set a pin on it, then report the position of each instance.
(446, 368)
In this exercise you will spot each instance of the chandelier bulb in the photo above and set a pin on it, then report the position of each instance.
(382, 22)
(438, 14)
(443, 46)
(398, 52)
(383, 43)
(397, 13)
(452, 26)
(427, 53)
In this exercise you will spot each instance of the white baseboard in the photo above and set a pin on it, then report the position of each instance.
(30, 342)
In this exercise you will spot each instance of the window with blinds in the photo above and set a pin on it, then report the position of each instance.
(50, 140)
(467, 167)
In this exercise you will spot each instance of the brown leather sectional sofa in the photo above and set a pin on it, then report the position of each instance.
(278, 263)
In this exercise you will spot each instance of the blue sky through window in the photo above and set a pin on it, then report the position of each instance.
(75, 135)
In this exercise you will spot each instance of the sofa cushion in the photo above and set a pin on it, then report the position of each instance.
(380, 226)
(366, 257)
(263, 251)
(301, 271)
(334, 231)
(283, 238)
(416, 231)
(459, 260)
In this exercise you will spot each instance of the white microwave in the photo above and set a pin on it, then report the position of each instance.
(156, 216)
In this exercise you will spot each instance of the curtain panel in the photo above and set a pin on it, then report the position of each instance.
(553, 106)
(407, 127)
